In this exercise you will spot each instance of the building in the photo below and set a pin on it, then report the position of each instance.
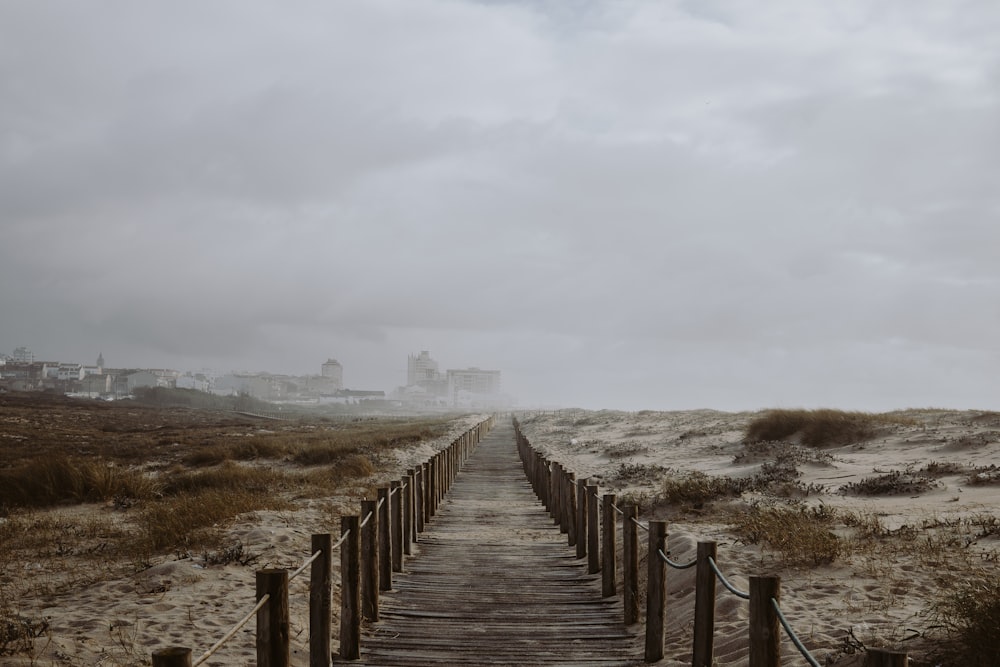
(23, 355)
(333, 376)
(473, 381)
(422, 370)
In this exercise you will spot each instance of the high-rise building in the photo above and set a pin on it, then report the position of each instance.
(422, 370)
(334, 374)
(23, 355)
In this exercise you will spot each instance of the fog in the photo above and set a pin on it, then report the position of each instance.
(635, 204)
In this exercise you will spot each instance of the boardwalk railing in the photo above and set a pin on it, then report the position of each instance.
(590, 522)
(371, 549)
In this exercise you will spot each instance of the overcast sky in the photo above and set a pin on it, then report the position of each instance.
(625, 204)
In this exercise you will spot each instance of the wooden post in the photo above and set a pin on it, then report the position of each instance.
(630, 564)
(880, 657)
(408, 522)
(396, 522)
(608, 547)
(320, 601)
(427, 486)
(704, 607)
(581, 517)
(593, 532)
(765, 644)
(173, 656)
(350, 588)
(418, 501)
(272, 619)
(369, 561)
(571, 508)
(384, 542)
(656, 592)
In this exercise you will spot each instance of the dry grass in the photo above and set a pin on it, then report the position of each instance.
(694, 489)
(971, 615)
(820, 428)
(800, 536)
(46, 482)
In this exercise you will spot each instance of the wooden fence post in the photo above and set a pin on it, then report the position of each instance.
(765, 644)
(350, 588)
(656, 591)
(880, 657)
(593, 532)
(428, 488)
(408, 522)
(384, 542)
(608, 546)
(320, 601)
(369, 560)
(272, 619)
(173, 656)
(396, 522)
(418, 501)
(704, 607)
(630, 564)
(571, 508)
(581, 517)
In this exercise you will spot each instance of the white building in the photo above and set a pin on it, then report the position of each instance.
(473, 386)
(23, 355)
(333, 374)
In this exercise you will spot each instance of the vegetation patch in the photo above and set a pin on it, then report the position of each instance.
(970, 613)
(819, 428)
(893, 483)
(694, 489)
(45, 482)
(985, 475)
(801, 536)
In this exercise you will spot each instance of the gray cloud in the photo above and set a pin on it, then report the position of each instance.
(631, 204)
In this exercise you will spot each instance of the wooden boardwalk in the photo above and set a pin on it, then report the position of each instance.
(493, 582)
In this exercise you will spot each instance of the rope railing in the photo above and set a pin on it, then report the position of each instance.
(232, 633)
(676, 566)
(725, 582)
(791, 635)
(424, 486)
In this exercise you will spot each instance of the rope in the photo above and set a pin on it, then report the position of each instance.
(676, 566)
(725, 582)
(636, 522)
(229, 635)
(367, 519)
(309, 561)
(381, 501)
(340, 541)
(791, 635)
(617, 509)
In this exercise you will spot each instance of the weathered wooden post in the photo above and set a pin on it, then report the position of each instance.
(581, 517)
(571, 508)
(369, 560)
(384, 541)
(765, 644)
(656, 591)
(320, 601)
(593, 532)
(396, 522)
(880, 657)
(418, 500)
(350, 589)
(408, 523)
(173, 656)
(272, 619)
(630, 564)
(608, 547)
(704, 607)
(428, 487)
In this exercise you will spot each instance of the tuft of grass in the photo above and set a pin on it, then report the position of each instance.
(970, 613)
(985, 475)
(819, 428)
(895, 483)
(694, 489)
(801, 536)
(45, 482)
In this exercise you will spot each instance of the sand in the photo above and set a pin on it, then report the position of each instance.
(880, 595)
(872, 597)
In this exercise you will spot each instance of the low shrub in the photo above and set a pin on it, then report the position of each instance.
(970, 613)
(801, 536)
(44, 482)
(984, 475)
(697, 488)
(818, 428)
(893, 483)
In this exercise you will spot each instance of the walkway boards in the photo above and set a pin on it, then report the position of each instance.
(493, 582)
